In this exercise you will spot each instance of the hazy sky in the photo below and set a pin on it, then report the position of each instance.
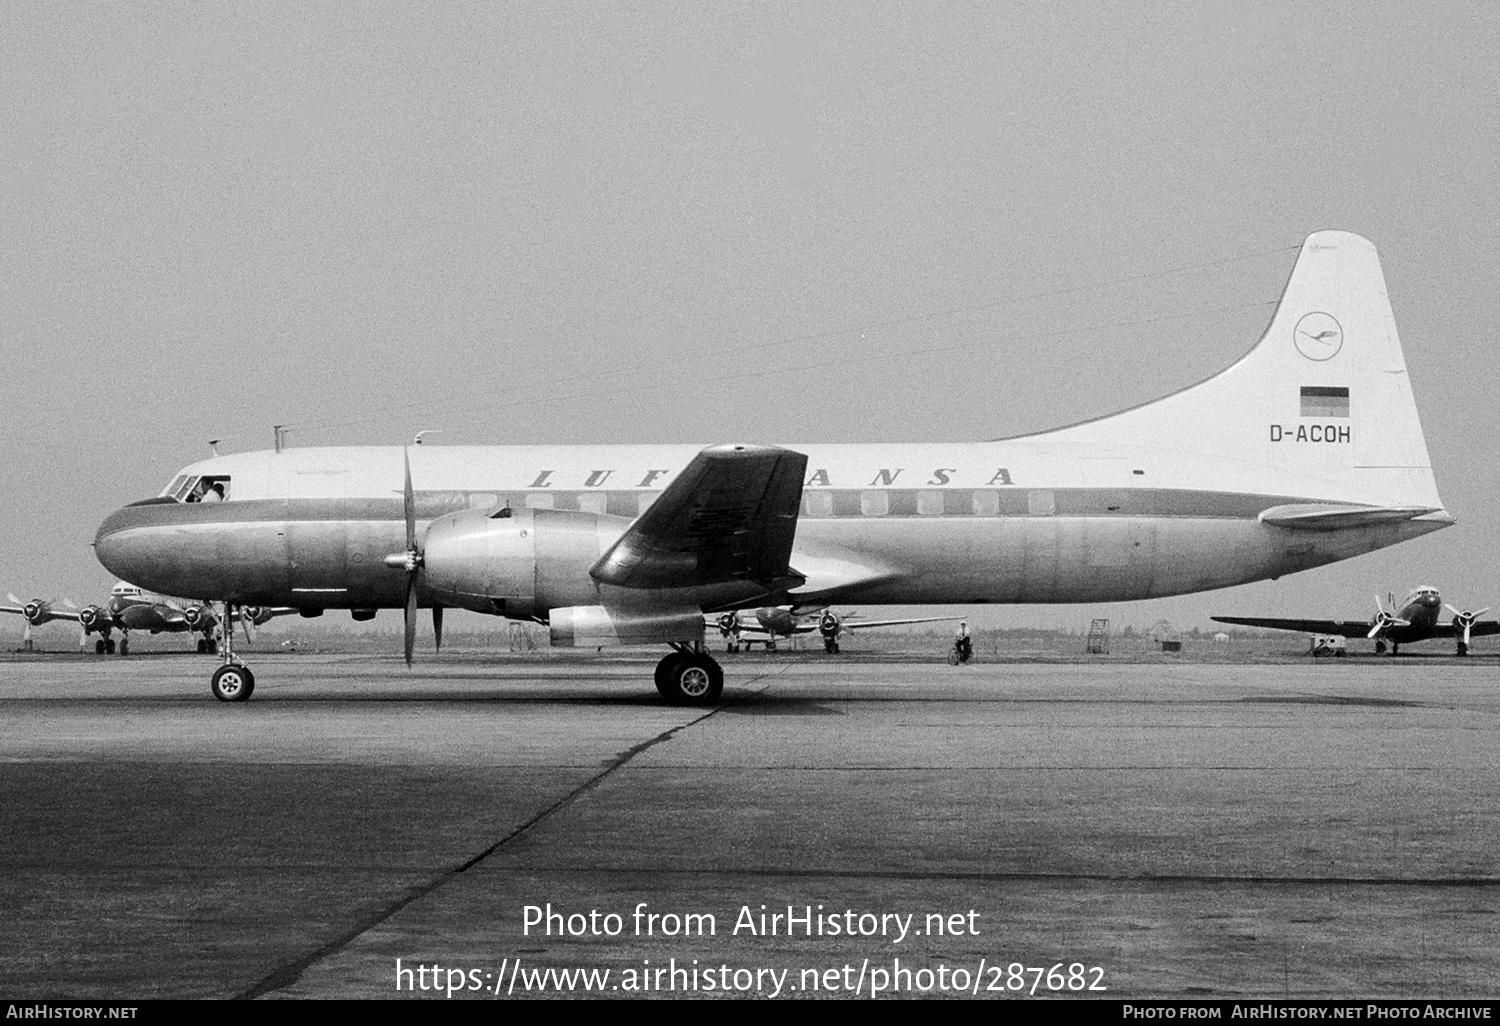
(709, 223)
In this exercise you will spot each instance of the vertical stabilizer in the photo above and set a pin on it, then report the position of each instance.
(1324, 394)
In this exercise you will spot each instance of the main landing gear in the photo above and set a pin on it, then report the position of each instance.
(689, 676)
(232, 682)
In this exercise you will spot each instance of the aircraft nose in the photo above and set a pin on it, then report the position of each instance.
(130, 542)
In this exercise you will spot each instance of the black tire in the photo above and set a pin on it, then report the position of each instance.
(1463, 649)
(663, 670)
(109, 646)
(124, 646)
(202, 646)
(232, 683)
(99, 647)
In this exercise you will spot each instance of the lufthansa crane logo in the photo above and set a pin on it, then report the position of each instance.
(1318, 336)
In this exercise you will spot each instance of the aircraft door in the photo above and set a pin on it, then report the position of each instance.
(316, 535)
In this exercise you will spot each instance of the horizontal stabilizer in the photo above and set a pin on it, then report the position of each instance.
(1314, 516)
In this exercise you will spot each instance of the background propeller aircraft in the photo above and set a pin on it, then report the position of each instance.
(1306, 451)
(1416, 621)
(768, 623)
(130, 608)
(37, 612)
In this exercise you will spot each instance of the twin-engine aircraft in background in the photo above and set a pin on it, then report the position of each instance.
(769, 623)
(1306, 451)
(1418, 620)
(129, 608)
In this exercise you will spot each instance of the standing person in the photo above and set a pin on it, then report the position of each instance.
(963, 645)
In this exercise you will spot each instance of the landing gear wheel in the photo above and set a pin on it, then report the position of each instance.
(663, 674)
(1379, 648)
(212, 646)
(99, 647)
(1463, 649)
(109, 646)
(124, 646)
(694, 679)
(232, 683)
(202, 646)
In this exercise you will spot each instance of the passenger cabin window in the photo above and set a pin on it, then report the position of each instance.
(874, 504)
(818, 504)
(208, 489)
(930, 503)
(986, 504)
(593, 502)
(1041, 502)
(539, 500)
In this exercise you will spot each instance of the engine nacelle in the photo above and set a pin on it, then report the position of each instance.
(517, 563)
(595, 626)
(199, 618)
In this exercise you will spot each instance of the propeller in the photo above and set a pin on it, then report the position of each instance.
(33, 611)
(1383, 620)
(1465, 619)
(729, 624)
(249, 620)
(409, 561)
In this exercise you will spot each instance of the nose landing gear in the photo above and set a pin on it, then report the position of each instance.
(232, 682)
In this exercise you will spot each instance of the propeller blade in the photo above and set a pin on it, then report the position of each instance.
(1375, 630)
(247, 626)
(1480, 612)
(14, 600)
(437, 626)
(69, 603)
(1466, 634)
(411, 617)
(410, 501)
(1379, 605)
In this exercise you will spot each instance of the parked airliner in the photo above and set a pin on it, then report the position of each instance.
(768, 623)
(1418, 620)
(130, 608)
(1306, 451)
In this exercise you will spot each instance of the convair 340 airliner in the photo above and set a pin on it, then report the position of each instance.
(1306, 451)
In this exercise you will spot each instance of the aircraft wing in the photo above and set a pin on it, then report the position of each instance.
(1478, 630)
(729, 516)
(852, 625)
(1344, 628)
(70, 614)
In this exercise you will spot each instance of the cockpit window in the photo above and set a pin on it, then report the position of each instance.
(172, 490)
(209, 489)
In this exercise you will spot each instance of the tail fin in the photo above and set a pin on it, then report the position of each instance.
(1324, 395)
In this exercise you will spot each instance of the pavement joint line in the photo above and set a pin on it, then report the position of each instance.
(288, 974)
(903, 874)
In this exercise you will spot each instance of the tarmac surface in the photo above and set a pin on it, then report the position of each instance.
(1163, 829)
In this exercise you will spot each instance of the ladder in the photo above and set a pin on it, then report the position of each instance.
(1098, 643)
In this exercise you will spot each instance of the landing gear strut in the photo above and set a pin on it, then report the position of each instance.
(232, 682)
(689, 676)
